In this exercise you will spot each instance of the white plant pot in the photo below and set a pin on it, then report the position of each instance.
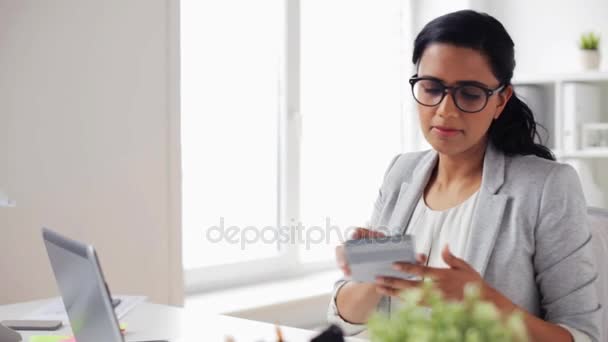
(590, 59)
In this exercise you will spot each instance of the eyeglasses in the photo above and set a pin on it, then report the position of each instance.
(469, 97)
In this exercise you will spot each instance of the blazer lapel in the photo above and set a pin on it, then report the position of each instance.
(410, 192)
(489, 212)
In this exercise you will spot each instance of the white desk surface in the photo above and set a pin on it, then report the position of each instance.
(153, 322)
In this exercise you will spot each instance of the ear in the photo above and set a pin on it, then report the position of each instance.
(503, 99)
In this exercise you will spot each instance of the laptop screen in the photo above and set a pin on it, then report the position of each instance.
(83, 289)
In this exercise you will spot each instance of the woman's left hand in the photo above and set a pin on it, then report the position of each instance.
(451, 281)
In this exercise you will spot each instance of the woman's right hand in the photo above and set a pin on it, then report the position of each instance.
(356, 301)
(359, 233)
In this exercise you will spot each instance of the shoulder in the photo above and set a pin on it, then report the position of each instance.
(532, 172)
(544, 188)
(402, 167)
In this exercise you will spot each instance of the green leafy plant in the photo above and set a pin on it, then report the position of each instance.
(470, 320)
(589, 41)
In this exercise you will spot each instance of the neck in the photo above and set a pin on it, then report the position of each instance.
(463, 167)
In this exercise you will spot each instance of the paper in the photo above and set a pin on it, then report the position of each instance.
(54, 310)
(51, 338)
(369, 258)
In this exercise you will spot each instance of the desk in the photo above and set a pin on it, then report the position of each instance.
(153, 321)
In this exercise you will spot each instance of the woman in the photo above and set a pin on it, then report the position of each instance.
(514, 219)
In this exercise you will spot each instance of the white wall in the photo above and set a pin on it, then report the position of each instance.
(546, 32)
(89, 141)
(427, 10)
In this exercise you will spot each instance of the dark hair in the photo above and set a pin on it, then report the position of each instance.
(514, 132)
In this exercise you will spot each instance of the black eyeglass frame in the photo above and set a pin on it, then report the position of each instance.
(452, 89)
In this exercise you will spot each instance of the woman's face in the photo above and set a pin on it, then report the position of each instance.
(449, 130)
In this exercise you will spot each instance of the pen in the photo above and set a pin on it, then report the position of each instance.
(279, 334)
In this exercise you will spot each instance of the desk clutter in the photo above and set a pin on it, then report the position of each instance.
(59, 338)
(89, 312)
(55, 310)
(43, 338)
(332, 334)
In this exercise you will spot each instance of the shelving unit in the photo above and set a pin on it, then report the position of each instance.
(584, 76)
(582, 154)
(545, 94)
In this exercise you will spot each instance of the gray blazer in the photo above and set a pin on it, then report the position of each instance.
(530, 234)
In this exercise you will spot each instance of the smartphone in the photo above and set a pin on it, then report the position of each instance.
(32, 325)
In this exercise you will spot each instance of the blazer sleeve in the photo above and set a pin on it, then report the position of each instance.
(333, 315)
(565, 271)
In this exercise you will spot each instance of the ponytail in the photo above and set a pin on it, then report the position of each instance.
(514, 132)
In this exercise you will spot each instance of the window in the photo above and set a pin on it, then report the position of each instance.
(351, 108)
(346, 64)
(229, 127)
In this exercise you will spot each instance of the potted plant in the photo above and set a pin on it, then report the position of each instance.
(590, 54)
(470, 320)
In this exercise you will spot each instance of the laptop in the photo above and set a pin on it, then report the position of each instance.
(83, 289)
(9, 335)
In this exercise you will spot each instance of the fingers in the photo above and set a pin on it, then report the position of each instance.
(362, 233)
(376, 234)
(394, 286)
(358, 233)
(396, 282)
(453, 261)
(418, 269)
(421, 258)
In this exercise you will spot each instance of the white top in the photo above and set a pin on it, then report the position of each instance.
(433, 229)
